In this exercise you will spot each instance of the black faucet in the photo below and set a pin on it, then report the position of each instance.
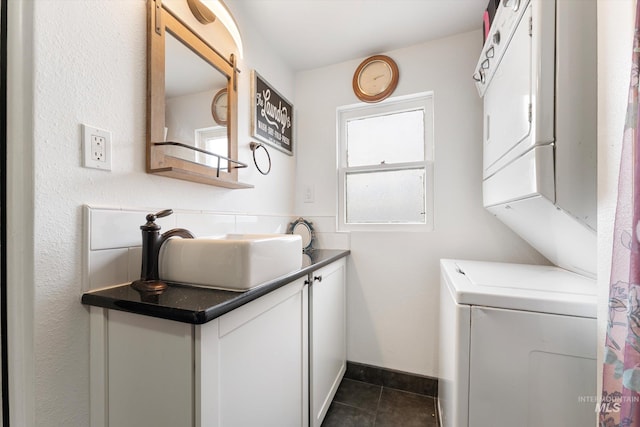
(152, 241)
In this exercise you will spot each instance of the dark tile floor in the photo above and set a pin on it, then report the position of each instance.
(360, 404)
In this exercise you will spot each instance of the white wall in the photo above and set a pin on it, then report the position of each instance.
(393, 278)
(90, 67)
(615, 37)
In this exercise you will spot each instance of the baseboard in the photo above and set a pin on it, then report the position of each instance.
(398, 380)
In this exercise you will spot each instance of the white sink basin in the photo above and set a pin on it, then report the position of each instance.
(236, 262)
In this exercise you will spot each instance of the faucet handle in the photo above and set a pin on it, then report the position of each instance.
(152, 217)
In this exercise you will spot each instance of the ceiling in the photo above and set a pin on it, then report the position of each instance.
(310, 34)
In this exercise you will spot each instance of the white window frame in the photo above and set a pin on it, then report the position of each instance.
(423, 101)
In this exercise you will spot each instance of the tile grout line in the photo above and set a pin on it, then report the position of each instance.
(374, 412)
(410, 392)
(391, 388)
(353, 406)
(375, 415)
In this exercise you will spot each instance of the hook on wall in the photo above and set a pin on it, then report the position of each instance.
(254, 147)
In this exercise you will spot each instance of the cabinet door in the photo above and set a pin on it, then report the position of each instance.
(253, 363)
(328, 350)
(149, 379)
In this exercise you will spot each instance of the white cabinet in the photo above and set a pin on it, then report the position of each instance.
(276, 361)
(253, 363)
(248, 367)
(327, 328)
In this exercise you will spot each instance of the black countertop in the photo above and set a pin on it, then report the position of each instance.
(198, 305)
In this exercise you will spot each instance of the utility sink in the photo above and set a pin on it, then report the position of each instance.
(236, 262)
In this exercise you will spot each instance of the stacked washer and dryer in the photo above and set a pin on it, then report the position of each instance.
(518, 342)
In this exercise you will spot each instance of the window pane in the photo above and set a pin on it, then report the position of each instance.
(390, 138)
(213, 140)
(217, 146)
(392, 196)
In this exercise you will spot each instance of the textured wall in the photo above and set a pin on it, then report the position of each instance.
(90, 67)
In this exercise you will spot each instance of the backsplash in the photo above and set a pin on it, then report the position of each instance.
(112, 239)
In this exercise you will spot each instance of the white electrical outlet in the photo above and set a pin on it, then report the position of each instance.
(96, 147)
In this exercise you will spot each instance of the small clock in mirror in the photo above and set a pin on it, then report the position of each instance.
(219, 107)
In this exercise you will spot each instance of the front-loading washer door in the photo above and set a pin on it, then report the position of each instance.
(531, 369)
(507, 101)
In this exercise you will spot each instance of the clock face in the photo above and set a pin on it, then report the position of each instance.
(375, 78)
(219, 107)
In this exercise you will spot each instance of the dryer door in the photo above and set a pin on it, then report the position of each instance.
(507, 101)
(517, 358)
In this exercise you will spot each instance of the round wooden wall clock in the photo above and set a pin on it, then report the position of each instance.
(375, 78)
(219, 107)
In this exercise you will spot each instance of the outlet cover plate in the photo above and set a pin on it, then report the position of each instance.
(96, 148)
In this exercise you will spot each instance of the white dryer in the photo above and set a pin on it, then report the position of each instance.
(517, 346)
(537, 74)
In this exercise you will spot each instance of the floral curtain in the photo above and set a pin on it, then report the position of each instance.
(620, 401)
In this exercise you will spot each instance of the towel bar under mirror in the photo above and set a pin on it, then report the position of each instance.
(185, 73)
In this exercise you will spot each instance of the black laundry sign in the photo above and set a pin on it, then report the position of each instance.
(272, 116)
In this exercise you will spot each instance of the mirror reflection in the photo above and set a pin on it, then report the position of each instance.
(195, 105)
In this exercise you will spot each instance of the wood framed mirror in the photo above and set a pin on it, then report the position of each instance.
(184, 75)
